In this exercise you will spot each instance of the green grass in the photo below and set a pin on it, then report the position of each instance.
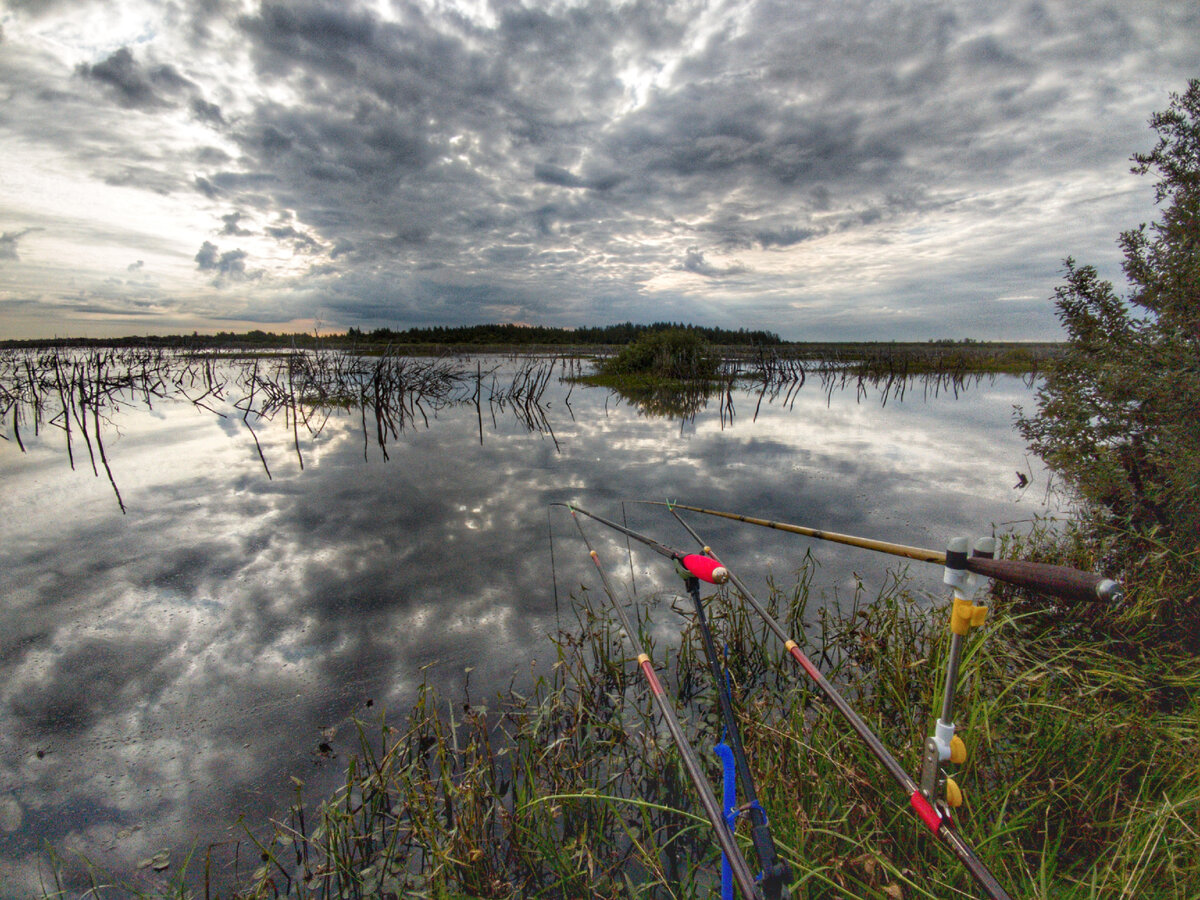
(1081, 781)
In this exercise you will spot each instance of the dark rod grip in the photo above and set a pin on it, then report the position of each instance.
(1057, 581)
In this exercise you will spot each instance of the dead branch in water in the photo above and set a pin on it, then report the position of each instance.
(80, 391)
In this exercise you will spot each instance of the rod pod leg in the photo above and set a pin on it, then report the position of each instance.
(944, 745)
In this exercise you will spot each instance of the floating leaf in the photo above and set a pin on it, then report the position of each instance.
(159, 862)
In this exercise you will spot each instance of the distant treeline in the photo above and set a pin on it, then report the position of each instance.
(493, 335)
(623, 333)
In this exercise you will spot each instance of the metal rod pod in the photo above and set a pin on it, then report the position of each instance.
(941, 827)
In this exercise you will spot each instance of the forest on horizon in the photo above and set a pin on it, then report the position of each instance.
(484, 335)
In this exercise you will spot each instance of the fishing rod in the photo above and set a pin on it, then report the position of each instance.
(963, 573)
(724, 834)
(694, 568)
(932, 812)
(1063, 582)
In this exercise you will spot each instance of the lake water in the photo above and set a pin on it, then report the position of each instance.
(167, 669)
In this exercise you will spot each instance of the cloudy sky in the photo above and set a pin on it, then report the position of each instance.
(822, 169)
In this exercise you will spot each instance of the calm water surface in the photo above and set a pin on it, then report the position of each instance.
(166, 670)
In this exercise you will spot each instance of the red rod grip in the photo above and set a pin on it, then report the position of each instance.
(705, 568)
(1057, 581)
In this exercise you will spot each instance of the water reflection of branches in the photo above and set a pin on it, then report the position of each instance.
(681, 401)
(80, 392)
(786, 383)
(780, 381)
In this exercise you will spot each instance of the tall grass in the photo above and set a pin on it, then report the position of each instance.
(1081, 782)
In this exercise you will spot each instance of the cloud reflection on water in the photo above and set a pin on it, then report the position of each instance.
(173, 666)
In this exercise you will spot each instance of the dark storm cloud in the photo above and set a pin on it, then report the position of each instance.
(300, 241)
(35, 7)
(118, 299)
(206, 258)
(231, 264)
(231, 226)
(133, 85)
(787, 236)
(563, 178)
(144, 177)
(687, 146)
(206, 187)
(207, 112)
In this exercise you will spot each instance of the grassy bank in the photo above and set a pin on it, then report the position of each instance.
(1081, 782)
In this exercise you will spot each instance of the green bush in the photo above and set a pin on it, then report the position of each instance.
(1116, 415)
(676, 353)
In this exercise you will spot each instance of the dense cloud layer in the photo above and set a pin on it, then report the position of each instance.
(821, 170)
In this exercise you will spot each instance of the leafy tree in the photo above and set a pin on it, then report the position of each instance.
(1119, 414)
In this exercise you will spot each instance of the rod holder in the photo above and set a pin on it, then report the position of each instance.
(944, 745)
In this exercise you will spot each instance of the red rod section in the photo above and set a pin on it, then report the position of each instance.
(926, 812)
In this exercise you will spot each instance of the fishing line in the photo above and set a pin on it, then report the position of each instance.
(629, 551)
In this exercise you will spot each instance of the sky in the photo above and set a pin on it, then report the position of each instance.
(865, 169)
